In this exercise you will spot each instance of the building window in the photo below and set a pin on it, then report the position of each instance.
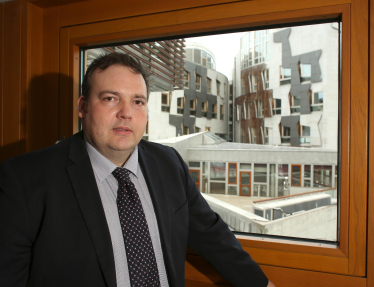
(232, 190)
(218, 175)
(243, 87)
(247, 110)
(198, 82)
(307, 176)
(305, 72)
(277, 106)
(322, 176)
(218, 171)
(225, 89)
(186, 130)
(197, 130)
(194, 164)
(294, 103)
(204, 58)
(214, 113)
(304, 132)
(231, 90)
(221, 112)
(266, 135)
(207, 129)
(230, 112)
(253, 83)
(165, 102)
(283, 183)
(317, 102)
(250, 57)
(232, 173)
(295, 175)
(218, 88)
(193, 107)
(180, 105)
(209, 85)
(186, 79)
(285, 133)
(260, 180)
(285, 76)
(265, 79)
(180, 102)
(259, 108)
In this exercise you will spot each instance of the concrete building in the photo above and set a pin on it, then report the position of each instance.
(202, 105)
(287, 87)
(237, 179)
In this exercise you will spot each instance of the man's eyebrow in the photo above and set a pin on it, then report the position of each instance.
(140, 97)
(109, 92)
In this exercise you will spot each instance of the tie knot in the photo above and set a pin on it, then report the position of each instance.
(121, 174)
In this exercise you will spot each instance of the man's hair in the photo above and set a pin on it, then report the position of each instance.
(115, 58)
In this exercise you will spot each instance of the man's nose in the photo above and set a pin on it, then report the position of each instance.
(125, 110)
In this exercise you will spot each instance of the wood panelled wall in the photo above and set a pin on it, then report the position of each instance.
(39, 43)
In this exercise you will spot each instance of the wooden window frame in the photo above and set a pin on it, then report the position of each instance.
(181, 101)
(167, 99)
(344, 264)
(236, 173)
(292, 165)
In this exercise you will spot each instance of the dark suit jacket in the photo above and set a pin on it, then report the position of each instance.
(53, 230)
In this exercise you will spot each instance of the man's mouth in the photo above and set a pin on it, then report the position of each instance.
(122, 130)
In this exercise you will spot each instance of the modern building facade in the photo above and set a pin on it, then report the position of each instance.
(202, 104)
(287, 87)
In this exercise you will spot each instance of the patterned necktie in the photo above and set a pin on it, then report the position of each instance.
(139, 248)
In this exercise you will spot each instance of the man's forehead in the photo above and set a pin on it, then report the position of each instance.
(118, 74)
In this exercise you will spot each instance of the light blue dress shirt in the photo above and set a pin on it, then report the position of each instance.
(108, 187)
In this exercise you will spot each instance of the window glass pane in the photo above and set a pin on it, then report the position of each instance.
(282, 169)
(204, 183)
(322, 176)
(260, 173)
(307, 171)
(232, 173)
(283, 140)
(232, 190)
(246, 166)
(273, 177)
(295, 174)
(217, 187)
(217, 171)
(194, 164)
(318, 98)
(205, 167)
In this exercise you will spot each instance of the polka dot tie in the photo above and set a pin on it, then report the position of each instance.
(139, 248)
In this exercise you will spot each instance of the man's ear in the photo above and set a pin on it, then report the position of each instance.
(82, 106)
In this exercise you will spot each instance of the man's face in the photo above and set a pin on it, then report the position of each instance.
(114, 117)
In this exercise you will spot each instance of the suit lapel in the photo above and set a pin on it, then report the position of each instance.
(157, 191)
(88, 197)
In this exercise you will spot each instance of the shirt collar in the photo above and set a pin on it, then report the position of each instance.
(103, 167)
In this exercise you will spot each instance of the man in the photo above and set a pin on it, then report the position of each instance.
(104, 208)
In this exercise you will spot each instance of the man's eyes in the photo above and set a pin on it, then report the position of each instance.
(139, 102)
(109, 99)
